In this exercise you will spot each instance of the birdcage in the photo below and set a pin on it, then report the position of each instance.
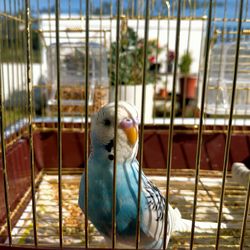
(220, 79)
(61, 60)
(72, 57)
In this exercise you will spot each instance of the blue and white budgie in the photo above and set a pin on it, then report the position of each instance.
(100, 178)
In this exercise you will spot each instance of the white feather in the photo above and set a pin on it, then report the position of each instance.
(240, 173)
(104, 134)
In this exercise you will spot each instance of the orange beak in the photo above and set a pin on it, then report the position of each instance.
(132, 134)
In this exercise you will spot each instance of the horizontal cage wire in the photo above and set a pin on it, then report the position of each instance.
(162, 86)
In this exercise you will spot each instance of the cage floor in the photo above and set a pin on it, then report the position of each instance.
(181, 196)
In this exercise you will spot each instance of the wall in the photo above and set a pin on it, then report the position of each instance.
(156, 138)
(18, 172)
(14, 77)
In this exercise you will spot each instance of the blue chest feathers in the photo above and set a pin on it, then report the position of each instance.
(100, 197)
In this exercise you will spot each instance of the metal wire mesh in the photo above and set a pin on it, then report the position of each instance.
(60, 61)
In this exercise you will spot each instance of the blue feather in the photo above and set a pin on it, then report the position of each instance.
(100, 188)
(100, 196)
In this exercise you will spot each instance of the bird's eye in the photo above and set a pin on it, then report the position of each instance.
(128, 120)
(107, 122)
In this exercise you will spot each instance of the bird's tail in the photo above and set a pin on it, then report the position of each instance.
(183, 225)
(240, 173)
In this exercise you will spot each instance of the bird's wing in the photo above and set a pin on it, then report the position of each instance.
(153, 215)
(152, 208)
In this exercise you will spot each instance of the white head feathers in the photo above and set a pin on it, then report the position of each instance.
(102, 131)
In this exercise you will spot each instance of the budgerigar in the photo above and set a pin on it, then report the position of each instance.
(100, 178)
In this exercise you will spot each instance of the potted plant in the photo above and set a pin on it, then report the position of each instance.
(188, 82)
(131, 59)
(131, 68)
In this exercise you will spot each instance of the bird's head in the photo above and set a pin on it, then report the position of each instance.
(103, 127)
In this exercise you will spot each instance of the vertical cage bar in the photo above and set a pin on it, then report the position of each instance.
(50, 30)
(184, 7)
(111, 51)
(17, 51)
(124, 26)
(194, 5)
(101, 33)
(156, 73)
(246, 39)
(173, 7)
(244, 224)
(203, 38)
(137, 33)
(236, 9)
(22, 69)
(12, 66)
(205, 6)
(167, 56)
(201, 121)
(31, 59)
(7, 49)
(29, 88)
(243, 229)
(3, 155)
(69, 8)
(122, 7)
(86, 122)
(10, 62)
(171, 126)
(41, 87)
(80, 10)
(132, 9)
(189, 25)
(222, 55)
(116, 126)
(229, 130)
(146, 31)
(59, 128)
(214, 10)
(247, 9)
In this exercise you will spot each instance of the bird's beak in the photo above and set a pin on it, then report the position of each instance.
(130, 127)
(132, 134)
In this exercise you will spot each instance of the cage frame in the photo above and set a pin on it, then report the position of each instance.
(59, 128)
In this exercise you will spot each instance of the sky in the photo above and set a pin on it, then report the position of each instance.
(74, 6)
(78, 7)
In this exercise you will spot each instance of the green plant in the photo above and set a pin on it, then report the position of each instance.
(131, 59)
(185, 63)
(12, 45)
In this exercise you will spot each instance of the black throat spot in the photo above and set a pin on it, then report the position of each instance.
(109, 146)
(111, 157)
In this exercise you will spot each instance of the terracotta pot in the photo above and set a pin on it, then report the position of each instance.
(188, 87)
(163, 92)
